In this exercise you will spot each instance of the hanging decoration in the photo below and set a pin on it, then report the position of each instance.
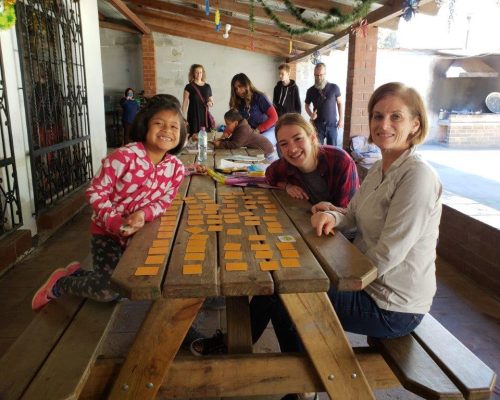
(410, 9)
(333, 19)
(217, 20)
(207, 7)
(251, 18)
(7, 14)
(315, 57)
(290, 48)
(226, 31)
(451, 16)
(360, 29)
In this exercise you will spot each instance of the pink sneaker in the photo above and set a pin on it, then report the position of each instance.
(44, 294)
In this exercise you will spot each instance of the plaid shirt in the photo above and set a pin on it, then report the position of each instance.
(334, 165)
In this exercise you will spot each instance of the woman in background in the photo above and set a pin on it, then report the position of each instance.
(130, 109)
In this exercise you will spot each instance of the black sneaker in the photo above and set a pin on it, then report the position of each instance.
(213, 345)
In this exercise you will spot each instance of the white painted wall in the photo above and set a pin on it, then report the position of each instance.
(14, 85)
(174, 56)
(121, 54)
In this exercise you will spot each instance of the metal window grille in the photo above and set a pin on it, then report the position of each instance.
(55, 92)
(10, 207)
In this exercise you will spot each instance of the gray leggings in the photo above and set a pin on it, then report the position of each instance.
(95, 284)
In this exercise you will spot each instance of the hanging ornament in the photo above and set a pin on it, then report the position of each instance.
(315, 58)
(410, 9)
(7, 14)
(251, 18)
(290, 48)
(217, 20)
(226, 31)
(207, 7)
(360, 29)
(252, 44)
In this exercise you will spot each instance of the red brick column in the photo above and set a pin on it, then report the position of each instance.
(361, 67)
(148, 65)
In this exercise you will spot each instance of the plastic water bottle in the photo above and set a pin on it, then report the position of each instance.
(202, 145)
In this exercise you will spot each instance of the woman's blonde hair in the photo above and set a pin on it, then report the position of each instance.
(412, 99)
(191, 76)
(298, 120)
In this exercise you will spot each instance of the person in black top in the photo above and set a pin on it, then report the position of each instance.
(286, 97)
(130, 109)
(196, 101)
(326, 98)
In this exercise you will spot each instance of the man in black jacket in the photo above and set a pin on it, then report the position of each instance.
(286, 96)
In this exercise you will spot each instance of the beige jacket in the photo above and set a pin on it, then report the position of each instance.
(397, 218)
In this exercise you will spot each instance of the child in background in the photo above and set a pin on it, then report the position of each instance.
(238, 133)
(135, 184)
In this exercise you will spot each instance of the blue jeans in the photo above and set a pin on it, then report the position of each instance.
(327, 131)
(357, 312)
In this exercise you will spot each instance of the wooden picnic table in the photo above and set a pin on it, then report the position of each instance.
(240, 213)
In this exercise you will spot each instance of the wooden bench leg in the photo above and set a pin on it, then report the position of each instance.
(239, 332)
(327, 345)
(154, 348)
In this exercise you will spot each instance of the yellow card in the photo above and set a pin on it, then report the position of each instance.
(162, 228)
(290, 262)
(258, 246)
(270, 205)
(196, 216)
(285, 246)
(232, 221)
(194, 256)
(271, 211)
(231, 216)
(194, 230)
(168, 223)
(252, 223)
(239, 266)
(192, 213)
(251, 207)
(158, 250)
(232, 246)
(194, 243)
(215, 228)
(250, 202)
(256, 237)
(269, 265)
(252, 218)
(160, 243)
(149, 271)
(273, 224)
(165, 235)
(210, 212)
(275, 230)
(233, 255)
(191, 269)
(199, 237)
(195, 249)
(154, 259)
(169, 218)
(234, 232)
(290, 254)
(269, 218)
(263, 254)
(212, 206)
(227, 211)
(195, 206)
(247, 214)
(194, 222)
(214, 222)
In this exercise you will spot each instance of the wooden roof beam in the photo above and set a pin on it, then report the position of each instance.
(127, 13)
(118, 27)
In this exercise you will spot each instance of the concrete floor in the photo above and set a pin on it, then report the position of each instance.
(471, 314)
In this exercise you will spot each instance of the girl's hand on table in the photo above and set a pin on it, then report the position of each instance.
(296, 192)
(133, 223)
(323, 223)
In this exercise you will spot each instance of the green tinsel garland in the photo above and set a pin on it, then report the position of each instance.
(8, 17)
(332, 20)
(252, 16)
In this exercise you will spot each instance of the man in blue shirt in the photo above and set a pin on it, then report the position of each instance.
(326, 99)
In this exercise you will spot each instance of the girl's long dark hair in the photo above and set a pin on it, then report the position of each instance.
(235, 101)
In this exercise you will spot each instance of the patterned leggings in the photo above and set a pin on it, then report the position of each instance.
(95, 284)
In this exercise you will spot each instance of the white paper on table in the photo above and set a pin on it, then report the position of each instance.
(230, 164)
(239, 157)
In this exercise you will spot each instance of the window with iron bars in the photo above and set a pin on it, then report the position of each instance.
(54, 85)
(10, 207)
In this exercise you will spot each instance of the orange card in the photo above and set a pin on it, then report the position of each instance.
(232, 246)
(252, 223)
(171, 211)
(195, 216)
(247, 214)
(234, 232)
(158, 250)
(155, 259)
(270, 205)
(165, 235)
(149, 271)
(195, 206)
(269, 218)
(256, 237)
(169, 218)
(252, 218)
(195, 243)
(162, 228)
(227, 211)
(215, 228)
(285, 246)
(231, 216)
(232, 221)
(290, 262)
(290, 254)
(194, 256)
(198, 237)
(195, 249)
(210, 212)
(259, 247)
(251, 207)
(194, 230)
(160, 243)
(214, 222)
(273, 224)
(239, 266)
(192, 213)
(271, 211)
(233, 255)
(269, 265)
(191, 269)
(275, 230)
(250, 202)
(168, 223)
(263, 254)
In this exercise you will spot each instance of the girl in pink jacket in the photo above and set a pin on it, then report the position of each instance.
(135, 184)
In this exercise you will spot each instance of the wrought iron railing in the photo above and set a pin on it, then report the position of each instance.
(10, 207)
(53, 68)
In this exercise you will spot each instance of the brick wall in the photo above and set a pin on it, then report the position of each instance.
(362, 61)
(149, 65)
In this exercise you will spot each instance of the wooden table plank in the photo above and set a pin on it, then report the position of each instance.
(154, 348)
(144, 287)
(347, 268)
(327, 345)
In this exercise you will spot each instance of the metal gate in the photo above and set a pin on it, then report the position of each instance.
(53, 69)
(10, 207)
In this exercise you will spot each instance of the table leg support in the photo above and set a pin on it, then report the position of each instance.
(154, 348)
(327, 345)
(239, 332)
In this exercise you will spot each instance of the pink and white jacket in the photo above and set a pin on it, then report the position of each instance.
(127, 182)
